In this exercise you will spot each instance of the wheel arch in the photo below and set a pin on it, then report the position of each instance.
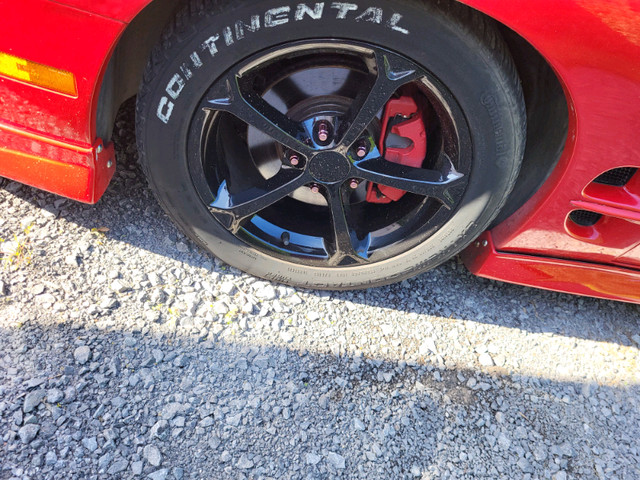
(546, 103)
(129, 57)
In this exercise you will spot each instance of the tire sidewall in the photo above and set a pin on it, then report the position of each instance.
(430, 37)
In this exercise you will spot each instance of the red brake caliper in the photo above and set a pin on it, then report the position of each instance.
(412, 128)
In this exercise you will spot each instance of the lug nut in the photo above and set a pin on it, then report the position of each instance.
(362, 149)
(294, 160)
(315, 188)
(353, 183)
(323, 131)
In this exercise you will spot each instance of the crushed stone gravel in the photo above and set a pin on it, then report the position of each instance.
(126, 352)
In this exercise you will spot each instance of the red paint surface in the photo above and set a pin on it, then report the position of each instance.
(593, 45)
(569, 276)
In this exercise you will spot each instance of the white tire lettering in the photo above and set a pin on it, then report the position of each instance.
(315, 14)
(392, 23)
(272, 18)
(228, 36)
(276, 16)
(175, 86)
(254, 26)
(195, 59)
(210, 45)
(371, 14)
(165, 108)
(343, 9)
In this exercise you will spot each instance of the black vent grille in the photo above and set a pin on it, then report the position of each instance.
(584, 218)
(618, 177)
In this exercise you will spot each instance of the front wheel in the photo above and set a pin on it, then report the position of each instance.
(328, 145)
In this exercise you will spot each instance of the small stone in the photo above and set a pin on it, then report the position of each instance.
(286, 336)
(171, 410)
(205, 422)
(82, 354)
(90, 444)
(234, 420)
(225, 457)
(313, 316)
(136, 467)
(50, 458)
(261, 361)
(267, 292)
(158, 428)
(72, 260)
(244, 463)
(152, 454)
(357, 423)
(336, 460)
(54, 396)
(524, 465)
(28, 432)
(561, 475)
(485, 360)
(108, 303)
(504, 441)
(220, 308)
(227, 288)
(313, 459)
(119, 286)
(118, 466)
(159, 474)
(32, 400)
(415, 471)
(428, 345)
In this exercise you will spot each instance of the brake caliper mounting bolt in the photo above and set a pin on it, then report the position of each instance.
(315, 188)
(353, 183)
(294, 160)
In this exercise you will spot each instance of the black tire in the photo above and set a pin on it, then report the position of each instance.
(464, 69)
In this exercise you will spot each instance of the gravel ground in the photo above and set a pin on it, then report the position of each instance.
(127, 352)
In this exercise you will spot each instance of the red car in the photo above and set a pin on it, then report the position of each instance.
(348, 145)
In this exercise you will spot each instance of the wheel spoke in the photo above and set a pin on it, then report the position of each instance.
(231, 209)
(343, 235)
(421, 181)
(391, 72)
(251, 108)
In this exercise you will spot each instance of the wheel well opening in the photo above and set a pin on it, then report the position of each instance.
(547, 120)
(126, 66)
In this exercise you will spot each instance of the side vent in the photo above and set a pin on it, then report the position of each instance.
(584, 218)
(618, 177)
(608, 215)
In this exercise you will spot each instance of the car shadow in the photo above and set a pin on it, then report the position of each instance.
(448, 291)
(270, 403)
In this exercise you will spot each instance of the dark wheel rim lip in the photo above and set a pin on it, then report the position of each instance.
(242, 211)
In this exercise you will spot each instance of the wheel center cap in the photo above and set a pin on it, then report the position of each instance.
(329, 167)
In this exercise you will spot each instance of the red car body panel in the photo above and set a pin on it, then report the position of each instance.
(48, 140)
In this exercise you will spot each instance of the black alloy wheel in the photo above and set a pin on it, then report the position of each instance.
(323, 100)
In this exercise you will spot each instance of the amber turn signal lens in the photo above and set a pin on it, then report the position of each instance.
(37, 74)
